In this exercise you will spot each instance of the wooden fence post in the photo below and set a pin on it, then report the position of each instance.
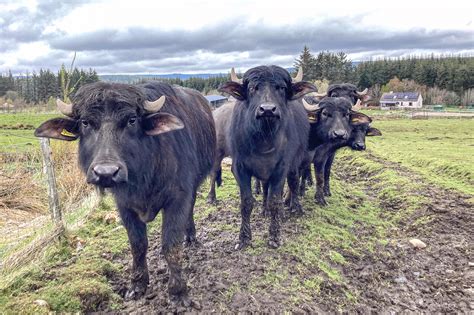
(48, 170)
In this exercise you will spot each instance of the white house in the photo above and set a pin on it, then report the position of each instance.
(404, 100)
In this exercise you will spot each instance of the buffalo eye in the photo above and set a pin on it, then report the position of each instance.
(84, 123)
(132, 121)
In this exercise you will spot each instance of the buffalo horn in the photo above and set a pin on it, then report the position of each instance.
(153, 107)
(309, 107)
(299, 76)
(64, 108)
(233, 77)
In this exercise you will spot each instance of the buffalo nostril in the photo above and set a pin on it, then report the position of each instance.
(106, 170)
(261, 109)
(274, 109)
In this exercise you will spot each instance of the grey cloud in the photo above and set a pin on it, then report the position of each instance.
(21, 25)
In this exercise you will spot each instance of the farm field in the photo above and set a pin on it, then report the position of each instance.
(416, 181)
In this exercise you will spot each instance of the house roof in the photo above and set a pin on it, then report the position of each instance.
(400, 96)
(215, 98)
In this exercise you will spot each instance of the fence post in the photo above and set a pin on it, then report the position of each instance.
(48, 170)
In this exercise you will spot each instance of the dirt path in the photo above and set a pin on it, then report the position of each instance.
(439, 278)
(391, 278)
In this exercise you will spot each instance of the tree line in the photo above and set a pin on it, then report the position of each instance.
(39, 87)
(445, 79)
(442, 79)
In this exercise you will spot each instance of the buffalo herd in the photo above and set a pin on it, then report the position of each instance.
(152, 145)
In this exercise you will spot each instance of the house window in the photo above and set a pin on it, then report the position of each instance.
(410, 104)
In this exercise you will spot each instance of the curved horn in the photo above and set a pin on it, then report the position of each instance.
(299, 76)
(320, 94)
(357, 105)
(153, 107)
(309, 107)
(363, 92)
(64, 108)
(233, 77)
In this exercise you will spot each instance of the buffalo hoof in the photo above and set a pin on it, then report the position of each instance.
(296, 211)
(327, 192)
(274, 243)
(136, 291)
(191, 242)
(179, 301)
(321, 201)
(211, 200)
(242, 245)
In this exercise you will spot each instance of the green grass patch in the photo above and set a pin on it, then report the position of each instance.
(440, 150)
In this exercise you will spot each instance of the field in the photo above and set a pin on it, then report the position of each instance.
(416, 181)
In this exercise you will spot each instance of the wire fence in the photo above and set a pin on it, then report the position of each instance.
(38, 181)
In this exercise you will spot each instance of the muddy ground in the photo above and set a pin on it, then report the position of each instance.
(389, 278)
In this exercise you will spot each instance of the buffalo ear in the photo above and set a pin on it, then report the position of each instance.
(161, 122)
(58, 128)
(359, 118)
(233, 88)
(302, 88)
(373, 132)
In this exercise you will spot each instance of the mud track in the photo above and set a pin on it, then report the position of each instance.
(390, 278)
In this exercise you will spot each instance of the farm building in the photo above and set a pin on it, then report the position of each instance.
(394, 100)
(216, 100)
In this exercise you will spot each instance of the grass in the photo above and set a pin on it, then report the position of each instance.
(440, 150)
(361, 216)
(16, 131)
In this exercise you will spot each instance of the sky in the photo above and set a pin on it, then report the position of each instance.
(177, 36)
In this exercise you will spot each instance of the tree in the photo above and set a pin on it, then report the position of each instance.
(306, 60)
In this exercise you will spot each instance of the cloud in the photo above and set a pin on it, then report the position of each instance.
(216, 47)
(23, 24)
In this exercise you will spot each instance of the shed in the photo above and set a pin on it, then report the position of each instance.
(216, 100)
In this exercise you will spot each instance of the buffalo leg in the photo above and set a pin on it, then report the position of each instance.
(216, 168)
(246, 205)
(265, 199)
(275, 205)
(293, 183)
(327, 173)
(190, 238)
(175, 219)
(319, 164)
(137, 237)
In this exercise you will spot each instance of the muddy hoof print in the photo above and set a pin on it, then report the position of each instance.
(274, 243)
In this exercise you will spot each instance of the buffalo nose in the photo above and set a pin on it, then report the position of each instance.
(267, 109)
(340, 134)
(359, 146)
(106, 171)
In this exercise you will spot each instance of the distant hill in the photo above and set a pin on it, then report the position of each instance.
(129, 78)
(136, 77)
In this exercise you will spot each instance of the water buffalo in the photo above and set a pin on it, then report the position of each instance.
(222, 117)
(152, 145)
(334, 125)
(267, 135)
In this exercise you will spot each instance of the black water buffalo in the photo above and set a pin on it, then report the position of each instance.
(348, 91)
(267, 135)
(334, 125)
(152, 145)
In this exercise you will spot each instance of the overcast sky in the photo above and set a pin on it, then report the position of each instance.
(136, 36)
